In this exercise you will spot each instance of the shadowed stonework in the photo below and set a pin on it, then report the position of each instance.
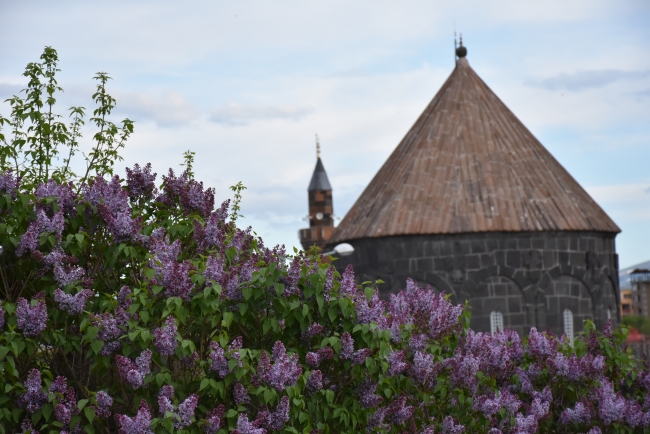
(530, 277)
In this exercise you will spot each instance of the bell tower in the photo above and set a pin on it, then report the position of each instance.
(321, 209)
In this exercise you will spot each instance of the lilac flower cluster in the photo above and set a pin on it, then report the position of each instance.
(463, 369)
(214, 419)
(165, 337)
(43, 224)
(274, 421)
(62, 193)
(187, 193)
(490, 405)
(240, 394)
(185, 412)
(27, 427)
(112, 202)
(369, 311)
(315, 381)
(141, 182)
(313, 330)
(397, 363)
(315, 359)
(138, 424)
(213, 235)
(133, 373)
(424, 370)
(34, 398)
(220, 359)
(577, 369)
(67, 274)
(348, 287)
(31, 320)
(246, 427)
(8, 183)
(367, 396)
(104, 402)
(348, 353)
(66, 401)
(171, 274)
(449, 427)
(285, 370)
(497, 353)
(72, 304)
(427, 311)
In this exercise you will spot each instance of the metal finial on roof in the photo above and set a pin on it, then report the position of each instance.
(317, 147)
(461, 51)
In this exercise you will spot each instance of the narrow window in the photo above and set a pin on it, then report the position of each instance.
(496, 322)
(568, 324)
(609, 313)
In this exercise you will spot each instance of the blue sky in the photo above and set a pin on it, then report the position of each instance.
(247, 84)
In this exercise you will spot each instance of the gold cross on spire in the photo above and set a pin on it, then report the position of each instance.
(317, 147)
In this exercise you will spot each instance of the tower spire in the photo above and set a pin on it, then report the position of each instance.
(317, 147)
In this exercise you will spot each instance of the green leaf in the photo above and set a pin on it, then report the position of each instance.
(227, 319)
(82, 403)
(97, 346)
(144, 315)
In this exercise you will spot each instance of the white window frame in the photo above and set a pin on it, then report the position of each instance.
(496, 321)
(568, 324)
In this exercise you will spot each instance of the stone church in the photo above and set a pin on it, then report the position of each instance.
(471, 203)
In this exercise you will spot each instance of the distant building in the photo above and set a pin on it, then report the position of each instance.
(640, 279)
(471, 203)
(627, 302)
(321, 207)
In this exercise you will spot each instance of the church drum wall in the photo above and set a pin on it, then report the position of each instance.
(537, 265)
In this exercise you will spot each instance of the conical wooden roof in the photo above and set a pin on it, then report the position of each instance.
(469, 165)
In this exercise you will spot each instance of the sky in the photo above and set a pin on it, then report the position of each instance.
(247, 85)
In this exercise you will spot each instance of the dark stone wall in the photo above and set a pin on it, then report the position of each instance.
(531, 277)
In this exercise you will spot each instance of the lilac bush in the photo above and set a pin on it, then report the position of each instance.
(137, 306)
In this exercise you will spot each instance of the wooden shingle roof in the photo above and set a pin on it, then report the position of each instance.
(469, 165)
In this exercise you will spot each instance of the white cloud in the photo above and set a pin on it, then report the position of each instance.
(236, 114)
(581, 80)
(168, 109)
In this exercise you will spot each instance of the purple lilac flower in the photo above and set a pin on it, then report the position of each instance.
(108, 332)
(246, 427)
(578, 414)
(376, 421)
(348, 287)
(62, 413)
(611, 406)
(27, 427)
(214, 233)
(595, 430)
(449, 427)
(541, 345)
(29, 240)
(104, 402)
(72, 304)
(347, 346)
(31, 320)
(634, 415)
(63, 193)
(112, 195)
(186, 411)
(59, 385)
(240, 394)
(360, 356)
(8, 183)
(187, 192)
(315, 359)
(121, 224)
(424, 370)
(214, 419)
(165, 396)
(280, 416)
(165, 337)
(397, 363)
(315, 381)
(214, 268)
(285, 370)
(367, 396)
(133, 373)
(525, 424)
(369, 311)
(313, 330)
(34, 398)
(176, 279)
(141, 182)
(66, 274)
(219, 361)
(329, 283)
(138, 424)
(539, 408)
(397, 413)
(462, 370)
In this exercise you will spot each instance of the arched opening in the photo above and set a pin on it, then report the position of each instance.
(568, 293)
(498, 294)
(496, 322)
(568, 324)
